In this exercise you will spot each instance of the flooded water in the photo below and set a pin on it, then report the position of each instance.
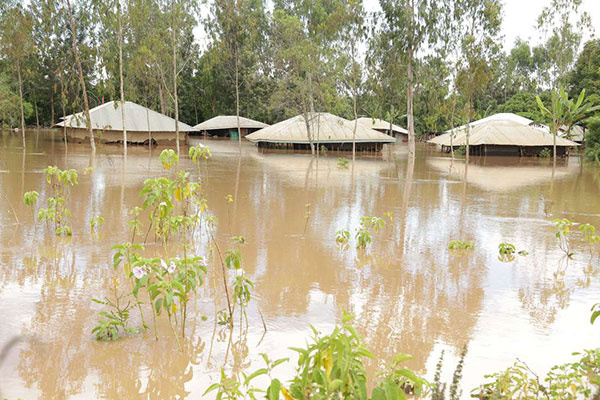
(408, 293)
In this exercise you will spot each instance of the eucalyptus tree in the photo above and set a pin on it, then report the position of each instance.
(16, 44)
(410, 26)
(86, 104)
(477, 26)
(562, 24)
(354, 33)
(305, 66)
(236, 31)
(114, 21)
(176, 20)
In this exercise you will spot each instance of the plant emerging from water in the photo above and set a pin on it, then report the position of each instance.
(506, 252)
(562, 231)
(57, 213)
(342, 238)
(95, 224)
(589, 236)
(342, 162)
(329, 367)
(456, 244)
(579, 379)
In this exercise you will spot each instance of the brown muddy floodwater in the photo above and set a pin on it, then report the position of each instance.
(409, 293)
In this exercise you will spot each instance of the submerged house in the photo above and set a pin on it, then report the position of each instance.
(328, 130)
(503, 137)
(143, 125)
(227, 126)
(382, 126)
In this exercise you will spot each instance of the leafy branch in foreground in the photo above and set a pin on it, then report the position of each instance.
(330, 367)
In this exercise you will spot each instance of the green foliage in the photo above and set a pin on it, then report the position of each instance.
(31, 198)
(457, 244)
(57, 212)
(562, 231)
(342, 162)
(112, 324)
(580, 379)
(506, 251)
(168, 158)
(592, 140)
(342, 238)
(363, 238)
(460, 151)
(199, 152)
(545, 153)
(96, 222)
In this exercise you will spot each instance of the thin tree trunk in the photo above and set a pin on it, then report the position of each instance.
(120, 17)
(237, 98)
(64, 111)
(21, 104)
(52, 105)
(161, 97)
(81, 78)
(468, 127)
(175, 74)
(354, 100)
(37, 115)
(409, 104)
(391, 120)
(312, 115)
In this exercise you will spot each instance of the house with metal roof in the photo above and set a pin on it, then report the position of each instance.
(383, 126)
(503, 136)
(326, 130)
(227, 126)
(143, 125)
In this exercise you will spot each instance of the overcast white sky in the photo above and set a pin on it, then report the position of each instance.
(520, 17)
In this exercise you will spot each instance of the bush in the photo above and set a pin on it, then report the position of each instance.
(545, 153)
(592, 139)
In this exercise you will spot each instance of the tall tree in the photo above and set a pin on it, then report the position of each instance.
(81, 76)
(114, 18)
(410, 25)
(478, 28)
(235, 27)
(353, 36)
(304, 61)
(562, 23)
(16, 44)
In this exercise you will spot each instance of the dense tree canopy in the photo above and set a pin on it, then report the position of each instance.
(289, 57)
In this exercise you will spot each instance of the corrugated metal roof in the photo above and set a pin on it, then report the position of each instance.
(229, 122)
(496, 117)
(503, 133)
(326, 128)
(137, 119)
(379, 124)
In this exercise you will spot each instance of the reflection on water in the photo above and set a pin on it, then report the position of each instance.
(409, 294)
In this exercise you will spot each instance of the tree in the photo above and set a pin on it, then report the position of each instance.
(563, 22)
(236, 32)
(304, 62)
(16, 45)
(586, 72)
(114, 17)
(409, 26)
(353, 35)
(478, 26)
(81, 76)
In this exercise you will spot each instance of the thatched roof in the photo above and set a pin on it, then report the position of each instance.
(501, 133)
(137, 119)
(229, 122)
(379, 124)
(326, 128)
